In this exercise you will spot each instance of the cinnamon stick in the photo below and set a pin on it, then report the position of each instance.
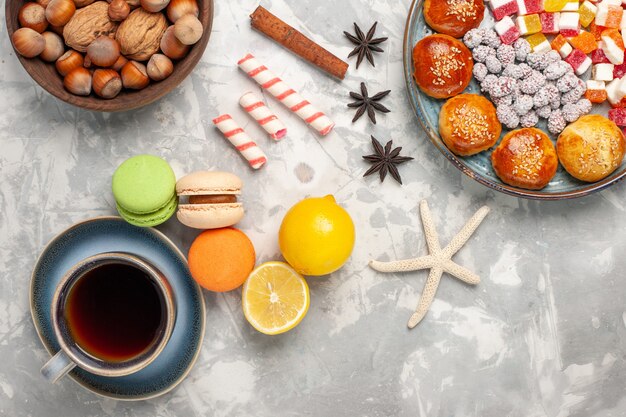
(296, 42)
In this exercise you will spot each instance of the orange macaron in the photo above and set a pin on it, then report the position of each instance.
(221, 259)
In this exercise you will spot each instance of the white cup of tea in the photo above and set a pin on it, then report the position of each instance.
(112, 314)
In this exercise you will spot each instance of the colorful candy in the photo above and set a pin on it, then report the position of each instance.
(613, 46)
(619, 70)
(584, 41)
(554, 5)
(502, 8)
(579, 61)
(255, 107)
(571, 6)
(527, 25)
(526, 7)
(507, 31)
(602, 72)
(549, 23)
(596, 91)
(616, 91)
(240, 140)
(569, 24)
(609, 16)
(539, 43)
(587, 12)
(598, 56)
(618, 116)
(596, 30)
(561, 45)
(287, 96)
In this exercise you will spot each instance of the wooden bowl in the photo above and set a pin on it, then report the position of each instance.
(46, 75)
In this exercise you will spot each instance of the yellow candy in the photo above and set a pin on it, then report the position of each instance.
(587, 12)
(539, 43)
(554, 5)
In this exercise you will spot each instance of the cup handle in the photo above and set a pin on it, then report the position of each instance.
(57, 367)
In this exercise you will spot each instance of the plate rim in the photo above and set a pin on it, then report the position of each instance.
(48, 348)
(435, 139)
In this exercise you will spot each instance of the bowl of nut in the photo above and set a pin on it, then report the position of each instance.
(109, 55)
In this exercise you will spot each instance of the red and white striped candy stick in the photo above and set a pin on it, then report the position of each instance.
(305, 110)
(240, 140)
(263, 115)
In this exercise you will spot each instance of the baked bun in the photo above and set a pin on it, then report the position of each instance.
(591, 148)
(454, 17)
(525, 158)
(468, 124)
(442, 66)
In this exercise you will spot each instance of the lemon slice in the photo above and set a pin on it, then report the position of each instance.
(275, 298)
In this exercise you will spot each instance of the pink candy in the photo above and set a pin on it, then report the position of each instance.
(549, 23)
(579, 61)
(240, 140)
(618, 116)
(569, 24)
(507, 30)
(255, 107)
(598, 57)
(529, 7)
(502, 8)
(619, 70)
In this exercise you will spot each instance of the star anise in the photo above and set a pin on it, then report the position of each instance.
(365, 44)
(364, 103)
(385, 160)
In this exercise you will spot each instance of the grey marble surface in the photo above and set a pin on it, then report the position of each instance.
(544, 334)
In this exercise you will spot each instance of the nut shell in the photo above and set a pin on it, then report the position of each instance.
(83, 3)
(28, 43)
(69, 61)
(103, 51)
(154, 6)
(78, 82)
(171, 46)
(54, 47)
(59, 12)
(87, 24)
(118, 10)
(188, 29)
(140, 34)
(106, 83)
(135, 75)
(33, 15)
(178, 8)
(159, 67)
(121, 61)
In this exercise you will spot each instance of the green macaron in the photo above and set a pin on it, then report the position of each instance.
(144, 188)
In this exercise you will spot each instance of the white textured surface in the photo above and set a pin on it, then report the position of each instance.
(543, 335)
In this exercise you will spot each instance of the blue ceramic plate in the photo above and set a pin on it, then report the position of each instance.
(106, 234)
(478, 166)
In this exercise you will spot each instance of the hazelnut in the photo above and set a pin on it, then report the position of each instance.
(87, 62)
(103, 51)
(106, 83)
(178, 8)
(33, 15)
(68, 61)
(78, 81)
(134, 75)
(118, 10)
(154, 6)
(134, 3)
(43, 3)
(56, 29)
(121, 61)
(59, 12)
(54, 47)
(28, 42)
(171, 46)
(188, 29)
(159, 67)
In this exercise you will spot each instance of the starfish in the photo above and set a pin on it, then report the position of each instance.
(438, 260)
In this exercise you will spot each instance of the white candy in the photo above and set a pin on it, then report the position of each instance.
(596, 85)
(504, 25)
(583, 67)
(544, 46)
(602, 13)
(602, 72)
(565, 50)
(570, 6)
(256, 108)
(612, 2)
(569, 20)
(616, 90)
(614, 52)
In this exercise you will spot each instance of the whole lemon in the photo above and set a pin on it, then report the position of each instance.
(316, 236)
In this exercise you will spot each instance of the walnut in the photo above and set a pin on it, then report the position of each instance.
(87, 24)
(83, 3)
(140, 34)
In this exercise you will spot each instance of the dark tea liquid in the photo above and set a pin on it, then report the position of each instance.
(114, 312)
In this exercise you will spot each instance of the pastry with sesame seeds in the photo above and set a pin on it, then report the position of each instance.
(442, 66)
(454, 17)
(468, 124)
(591, 148)
(525, 158)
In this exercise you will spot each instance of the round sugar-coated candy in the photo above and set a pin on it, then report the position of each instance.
(532, 83)
(556, 104)
(502, 87)
(507, 116)
(473, 38)
(480, 71)
(481, 52)
(544, 112)
(553, 56)
(489, 81)
(523, 104)
(556, 70)
(571, 112)
(541, 98)
(526, 69)
(584, 106)
(529, 119)
(506, 54)
(494, 66)
(573, 95)
(507, 100)
(513, 71)
(537, 60)
(567, 82)
(522, 49)
(491, 39)
(556, 122)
